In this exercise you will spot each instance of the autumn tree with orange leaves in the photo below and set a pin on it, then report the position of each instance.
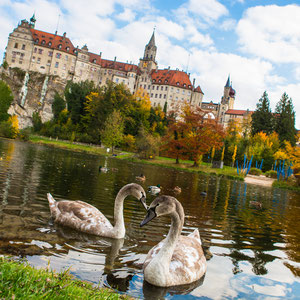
(190, 135)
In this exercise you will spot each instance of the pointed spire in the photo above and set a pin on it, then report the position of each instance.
(33, 19)
(228, 82)
(152, 40)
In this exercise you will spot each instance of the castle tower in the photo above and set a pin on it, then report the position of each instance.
(148, 63)
(32, 21)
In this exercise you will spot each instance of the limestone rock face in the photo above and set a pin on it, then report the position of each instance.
(34, 94)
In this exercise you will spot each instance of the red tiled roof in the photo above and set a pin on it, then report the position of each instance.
(42, 38)
(171, 77)
(116, 65)
(239, 112)
(198, 89)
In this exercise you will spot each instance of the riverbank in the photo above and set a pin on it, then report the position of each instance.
(203, 168)
(18, 280)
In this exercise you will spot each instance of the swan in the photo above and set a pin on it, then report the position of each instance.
(103, 169)
(141, 178)
(87, 218)
(177, 259)
(154, 189)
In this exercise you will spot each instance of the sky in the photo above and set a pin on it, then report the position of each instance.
(257, 43)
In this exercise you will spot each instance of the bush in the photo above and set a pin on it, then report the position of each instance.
(37, 122)
(7, 130)
(271, 174)
(254, 171)
(24, 134)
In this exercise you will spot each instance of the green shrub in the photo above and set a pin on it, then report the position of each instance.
(271, 174)
(24, 134)
(37, 122)
(7, 130)
(254, 171)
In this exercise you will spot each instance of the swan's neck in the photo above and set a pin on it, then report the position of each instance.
(160, 264)
(119, 228)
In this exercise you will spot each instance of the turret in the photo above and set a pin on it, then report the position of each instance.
(150, 49)
(32, 21)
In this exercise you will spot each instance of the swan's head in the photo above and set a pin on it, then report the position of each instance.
(161, 206)
(136, 191)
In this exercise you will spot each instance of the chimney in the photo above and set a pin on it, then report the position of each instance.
(64, 36)
(189, 74)
(194, 82)
(115, 58)
(55, 32)
(100, 54)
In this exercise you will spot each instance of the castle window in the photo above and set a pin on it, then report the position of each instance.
(68, 48)
(177, 83)
(64, 67)
(56, 64)
(58, 55)
(165, 96)
(49, 44)
(151, 95)
(155, 95)
(37, 40)
(20, 62)
(48, 62)
(159, 80)
(43, 42)
(159, 95)
(40, 51)
(189, 86)
(149, 87)
(153, 87)
(94, 61)
(39, 60)
(153, 80)
(50, 53)
(145, 86)
(16, 45)
(166, 88)
(33, 58)
(59, 46)
(184, 85)
(66, 57)
(162, 88)
(23, 47)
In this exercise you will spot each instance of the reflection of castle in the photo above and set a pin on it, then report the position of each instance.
(50, 54)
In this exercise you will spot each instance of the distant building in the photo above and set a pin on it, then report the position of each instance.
(51, 54)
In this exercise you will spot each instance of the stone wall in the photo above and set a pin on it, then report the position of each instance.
(33, 92)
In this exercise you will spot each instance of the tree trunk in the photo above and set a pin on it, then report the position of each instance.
(177, 160)
(195, 165)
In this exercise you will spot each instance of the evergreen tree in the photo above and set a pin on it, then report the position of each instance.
(262, 118)
(6, 99)
(58, 105)
(285, 120)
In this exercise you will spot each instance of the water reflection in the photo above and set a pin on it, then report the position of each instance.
(253, 252)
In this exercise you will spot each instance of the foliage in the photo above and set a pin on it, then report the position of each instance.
(128, 143)
(24, 134)
(190, 135)
(223, 153)
(19, 72)
(5, 65)
(75, 94)
(15, 125)
(262, 118)
(37, 122)
(7, 130)
(280, 154)
(255, 171)
(112, 134)
(58, 105)
(285, 120)
(271, 174)
(6, 99)
(234, 154)
(147, 145)
(21, 281)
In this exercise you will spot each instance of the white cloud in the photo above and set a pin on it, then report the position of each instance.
(271, 32)
(126, 15)
(228, 24)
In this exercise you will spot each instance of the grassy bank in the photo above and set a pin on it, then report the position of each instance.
(286, 185)
(21, 281)
(186, 165)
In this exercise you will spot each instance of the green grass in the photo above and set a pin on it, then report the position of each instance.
(286, 185)
(21, 281)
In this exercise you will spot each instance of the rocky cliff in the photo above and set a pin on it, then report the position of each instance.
(33, 92)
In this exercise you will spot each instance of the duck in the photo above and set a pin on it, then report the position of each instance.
(177, 259)
(154, 189)
(203, 194)
(103, 169)
(256, 204)
(141, 178)
(86, 218)
(177, 189)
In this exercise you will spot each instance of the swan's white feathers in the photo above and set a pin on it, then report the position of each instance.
(188, 262)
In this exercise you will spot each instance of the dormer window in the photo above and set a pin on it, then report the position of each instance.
(68, 48)
(59, 46)
(177, 83)
(94, 60)
(189, 86)
(43, 42)
(166, 81)
(153, 80)
(159, 80)
(37, 40)
(49, 44)
(184, 85)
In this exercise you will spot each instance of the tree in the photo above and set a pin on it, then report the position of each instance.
(195, 135)
(147, 145)
(112, 134)
(285, 120)
(262, 118)
(75, 94)
(58, 105)
(6, 99)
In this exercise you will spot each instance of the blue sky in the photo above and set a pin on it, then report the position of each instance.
(256, 42)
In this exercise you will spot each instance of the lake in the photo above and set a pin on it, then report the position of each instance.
(251, 253)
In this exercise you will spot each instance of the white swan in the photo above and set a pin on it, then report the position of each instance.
(87, 218)
(177, 259)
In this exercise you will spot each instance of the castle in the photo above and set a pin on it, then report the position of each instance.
(51, 54)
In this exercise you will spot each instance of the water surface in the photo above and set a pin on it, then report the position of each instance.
(252, 253)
